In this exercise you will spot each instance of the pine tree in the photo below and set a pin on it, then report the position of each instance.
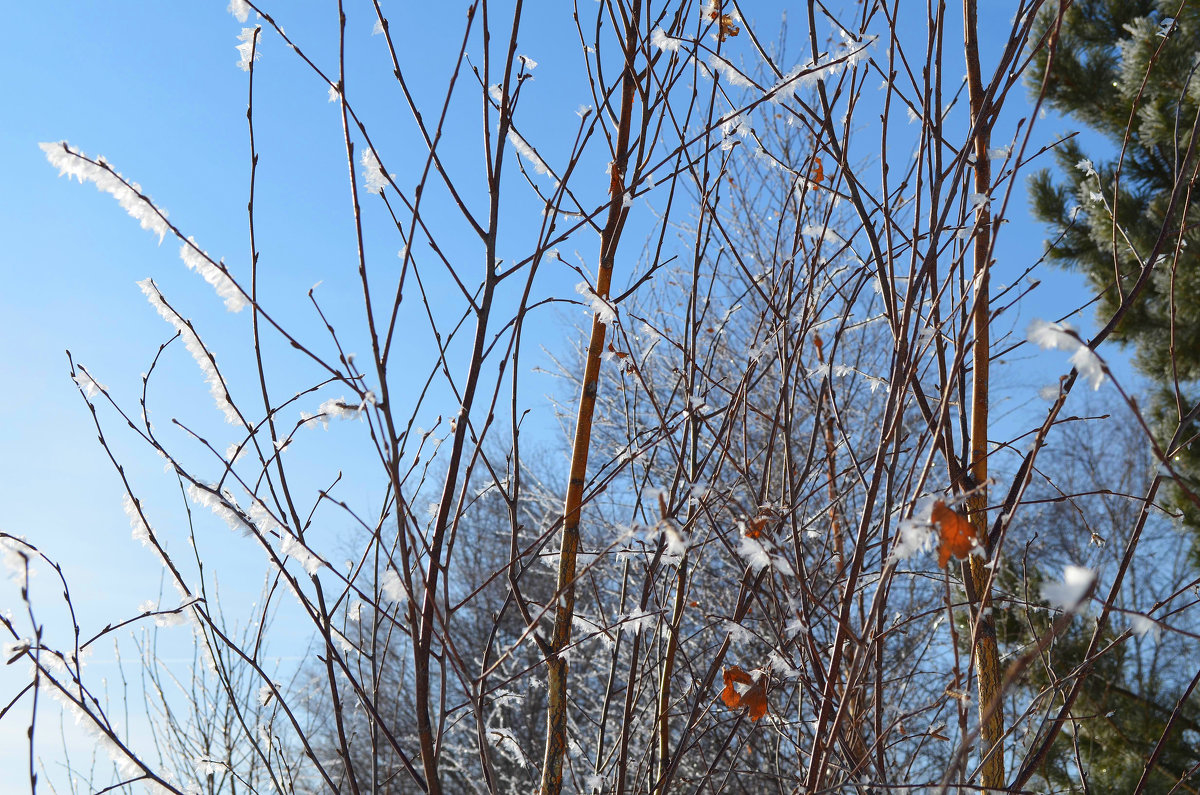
(1130, 71)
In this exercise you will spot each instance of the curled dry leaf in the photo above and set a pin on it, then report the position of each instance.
(761, 522)
(756, 526)
(742, 691)
(725, 26)
(817, 172)
(617, 353)
(956, 536)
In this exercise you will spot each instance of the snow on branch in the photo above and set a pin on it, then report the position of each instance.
(660, 39)
(141, 530)
(15, 555)
(845, 56)
(823, 232)
(599, 307)
(219, 503)
(338, 408)
(239, 8)
(247, 52)
(204, 359)
(214, 274)
(393, 587)
(526, 151)
(90, 386)
(374, 176)
(731, 73)
(294, 548)
(1069, 594)
(73, 163)
(1061, 336)
(97, 727)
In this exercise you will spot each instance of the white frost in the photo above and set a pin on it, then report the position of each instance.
(662, 41)
(753, 553)
(1070, 593)
(208, 365)
(246, 37)
(1144, 625)
(373, 173)
(526, 151)
(844, 56)
(295, 549)
(795, 628)
(239, 8)
(1053, 335)
(823, 232)
(263, 519)
(16, 554)
(914, 535)
(727, 70)
(1062, 337)
(219, 504)
(103, 736)
(335, 408)
(73, 163)
(731, 127)
(393, 586)
(141, 531)
(214, 274)
(90, 386)
(601, 308)
(638, 620)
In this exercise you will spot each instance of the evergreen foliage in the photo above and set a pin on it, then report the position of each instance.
(1130, 70)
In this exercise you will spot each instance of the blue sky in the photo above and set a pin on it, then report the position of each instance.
(156, 90)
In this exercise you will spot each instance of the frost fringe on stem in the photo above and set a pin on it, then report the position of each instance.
(73, 163)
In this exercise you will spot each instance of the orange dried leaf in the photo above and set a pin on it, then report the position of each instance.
(725, 26)
(817, 172)
(755, 701)
(734, 675)
(751, 695)
(956, 536)
(756, 526)
(617, 353)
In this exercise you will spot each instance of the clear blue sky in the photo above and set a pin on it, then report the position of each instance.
(154, 88)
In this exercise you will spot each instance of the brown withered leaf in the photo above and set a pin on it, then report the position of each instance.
(817, 172)
(752, 695)
(956, 536)
(617, 353)
(761, 522)
(725, 26)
